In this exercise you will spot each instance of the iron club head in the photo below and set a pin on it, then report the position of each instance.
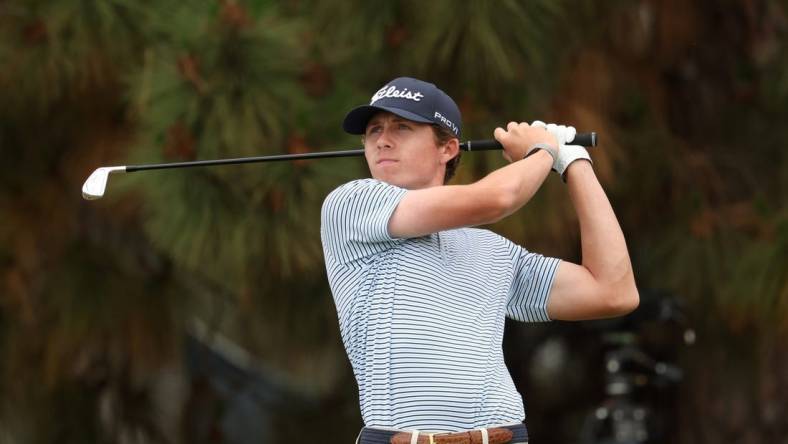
(97, 182)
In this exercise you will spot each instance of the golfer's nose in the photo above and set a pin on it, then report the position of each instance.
(385, 139)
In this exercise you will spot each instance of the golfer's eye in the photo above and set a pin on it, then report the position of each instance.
(373, 129)
(404, 126)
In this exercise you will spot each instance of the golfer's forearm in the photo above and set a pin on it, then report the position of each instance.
(516, 183)
(486, 201)
(604, 249)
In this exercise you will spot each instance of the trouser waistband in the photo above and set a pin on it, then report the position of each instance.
(371, 435)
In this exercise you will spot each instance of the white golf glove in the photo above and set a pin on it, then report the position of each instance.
(564, 134)
(566, 153)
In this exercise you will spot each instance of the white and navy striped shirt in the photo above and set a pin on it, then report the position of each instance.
(422, 319)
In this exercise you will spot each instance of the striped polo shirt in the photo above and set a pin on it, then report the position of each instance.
(422, 318)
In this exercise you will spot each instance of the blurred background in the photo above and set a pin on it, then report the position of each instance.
(192, 305)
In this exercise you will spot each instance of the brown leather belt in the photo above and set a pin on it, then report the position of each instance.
(494, 436)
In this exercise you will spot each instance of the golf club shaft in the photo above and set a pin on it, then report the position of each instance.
(584, 139)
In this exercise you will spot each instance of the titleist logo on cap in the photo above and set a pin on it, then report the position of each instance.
(392, 91)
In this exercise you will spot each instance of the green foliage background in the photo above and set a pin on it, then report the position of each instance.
(96, 298)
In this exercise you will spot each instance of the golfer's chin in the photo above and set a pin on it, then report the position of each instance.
(391, 176)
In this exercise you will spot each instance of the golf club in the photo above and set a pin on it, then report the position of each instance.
(96, 184)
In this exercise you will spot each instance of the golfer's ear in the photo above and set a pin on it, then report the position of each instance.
(450, 149)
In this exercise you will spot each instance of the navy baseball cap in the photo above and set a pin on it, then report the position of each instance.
(411, 99)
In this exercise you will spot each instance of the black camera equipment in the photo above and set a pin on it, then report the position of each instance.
(639, 373)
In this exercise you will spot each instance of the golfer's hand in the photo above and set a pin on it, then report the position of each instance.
(519, 138)
(568, 153)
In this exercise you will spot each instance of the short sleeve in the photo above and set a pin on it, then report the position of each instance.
(530, 290)
(355, 217)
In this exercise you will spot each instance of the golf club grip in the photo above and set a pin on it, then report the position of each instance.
(585, 139)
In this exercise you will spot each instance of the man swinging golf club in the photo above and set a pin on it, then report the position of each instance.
(421, 297)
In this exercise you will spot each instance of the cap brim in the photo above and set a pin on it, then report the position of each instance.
(357, 119)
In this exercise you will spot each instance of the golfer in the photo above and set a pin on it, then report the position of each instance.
(422, 297)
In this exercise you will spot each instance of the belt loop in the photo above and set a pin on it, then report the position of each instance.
(414, 437)
(485, 436)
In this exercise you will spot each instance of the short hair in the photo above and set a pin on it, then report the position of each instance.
(443, 136)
